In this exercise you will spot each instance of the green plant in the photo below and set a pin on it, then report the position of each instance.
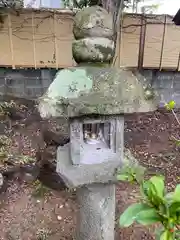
(5, 107)
(25, 159)
(5, 143)
(40, 190)
(42, 234)
(131, 173)
(156, 206)
(170, 107)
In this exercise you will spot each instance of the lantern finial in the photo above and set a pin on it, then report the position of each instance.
(93, 32)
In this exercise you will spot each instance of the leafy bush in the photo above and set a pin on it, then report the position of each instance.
(5, 107)
(40, 190)
(157, 206)
(131, 173)
(5, 143)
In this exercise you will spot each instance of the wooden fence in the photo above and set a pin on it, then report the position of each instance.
(36, 39)
(149, 42)
(43, 39)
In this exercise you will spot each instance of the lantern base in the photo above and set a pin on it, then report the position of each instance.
(75, 176)
(97, 212)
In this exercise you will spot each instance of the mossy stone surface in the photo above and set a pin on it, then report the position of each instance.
(93, 22)
(78, 91)
(93, 50)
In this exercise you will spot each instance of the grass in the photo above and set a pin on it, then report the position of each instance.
(40, 190)
(5, 142)
(42, 234)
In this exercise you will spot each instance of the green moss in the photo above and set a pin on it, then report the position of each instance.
(94, 64)
(104, 50)
(99, 90)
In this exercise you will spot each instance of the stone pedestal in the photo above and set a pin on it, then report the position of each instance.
(96, 218)
(95, 194)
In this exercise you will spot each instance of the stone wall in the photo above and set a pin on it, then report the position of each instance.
(25, 83)
(30, 84)
(167, 83)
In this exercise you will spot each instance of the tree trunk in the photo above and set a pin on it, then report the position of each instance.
(114, 7)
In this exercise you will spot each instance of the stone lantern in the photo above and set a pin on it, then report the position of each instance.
(94, 98)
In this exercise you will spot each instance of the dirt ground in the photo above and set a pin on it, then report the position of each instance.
(26, 214)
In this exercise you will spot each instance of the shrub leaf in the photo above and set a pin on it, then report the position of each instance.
(129, 215)
(148, 217)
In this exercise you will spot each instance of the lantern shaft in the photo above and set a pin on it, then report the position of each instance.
(97, 212)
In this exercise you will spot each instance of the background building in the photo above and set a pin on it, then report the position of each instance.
(43, 3)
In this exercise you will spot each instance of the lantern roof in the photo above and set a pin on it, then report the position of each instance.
(79, 91)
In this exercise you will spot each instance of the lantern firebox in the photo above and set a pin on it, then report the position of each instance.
(96, 140)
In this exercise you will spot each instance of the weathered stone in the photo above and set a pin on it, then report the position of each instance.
(93, 22)
(55, 132)
(1, 180)
(80, 175)
(96, 215)
(93, 31)
(145, 80)
(93, 50)
(50, 178)
(92, 90)
(55, 139)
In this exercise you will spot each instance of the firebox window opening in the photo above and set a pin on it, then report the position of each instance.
(97, 133)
